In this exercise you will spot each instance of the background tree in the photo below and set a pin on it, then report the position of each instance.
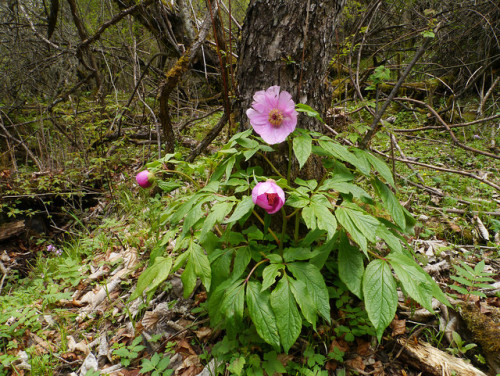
(290, 44)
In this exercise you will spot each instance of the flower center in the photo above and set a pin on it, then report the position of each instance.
(275, 117)
(271, 198)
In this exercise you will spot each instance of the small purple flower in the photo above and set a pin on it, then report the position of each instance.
(477, 137)
(273, 114)
(145, 178)
(269, 196)
(54, 250)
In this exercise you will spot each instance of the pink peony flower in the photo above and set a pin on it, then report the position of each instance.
(269, 196)
(273, 114)
(145, 178)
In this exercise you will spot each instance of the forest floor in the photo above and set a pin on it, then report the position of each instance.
(65, 306)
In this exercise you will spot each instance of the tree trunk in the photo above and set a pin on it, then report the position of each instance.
(288, 43)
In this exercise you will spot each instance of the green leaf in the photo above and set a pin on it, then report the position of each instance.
(413, 279)
(391, 203)
(241, 260)
(232, 307)
(261, 313)
(201, 264)
(351, 267)
(318, 215)
(151, 278)
(217, 214)
(315, 284)
(308, 110)
(302, 146)
(188, 279)
(381, 298)
(392, 241)
(359, 225)
(236, 366)
(341, 153)
(298, 254)
(303, 299)
(381, 167)
(345, 187)
(286, 312)
(269, 275)
(168, 186)
(243, 208)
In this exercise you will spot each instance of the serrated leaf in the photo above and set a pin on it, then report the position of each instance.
(351, 266)
(261, 313)
(315, 284)
(302, 146)
(391, 203)
(242, 209)
(303, 299)
(287, 315)
(151, 278)
(381, 298)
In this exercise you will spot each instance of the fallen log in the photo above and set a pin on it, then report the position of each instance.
(429, 359)
(11, 229)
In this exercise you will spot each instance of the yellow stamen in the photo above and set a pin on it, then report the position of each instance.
(275, 117)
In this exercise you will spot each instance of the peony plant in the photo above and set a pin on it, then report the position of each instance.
(274, 283)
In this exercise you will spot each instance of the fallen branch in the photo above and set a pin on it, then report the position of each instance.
(458, 172)
(460, 125)
(454, 138)
(461, 211)
(429, 359)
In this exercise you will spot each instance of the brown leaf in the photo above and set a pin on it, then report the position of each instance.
(184, 348)
(356, 363)
(191, 366)
(331, 365)
(378, 368)
(363, 347)
(203, 332)
(398, 327)
(339, 344)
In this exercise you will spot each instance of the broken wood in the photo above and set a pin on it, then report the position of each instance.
(11, 229)
(427, 358)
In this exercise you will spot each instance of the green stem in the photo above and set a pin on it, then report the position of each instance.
(297, 222)
(283, 229)
(268, 229)
(185, 175)
(289, 169)
(270, 164)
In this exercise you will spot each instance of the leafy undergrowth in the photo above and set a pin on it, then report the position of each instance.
(78, 310)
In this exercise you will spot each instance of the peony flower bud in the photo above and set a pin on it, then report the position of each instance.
(145, 178)
(269, 196)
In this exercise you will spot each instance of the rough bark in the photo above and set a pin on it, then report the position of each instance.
(290, 44)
